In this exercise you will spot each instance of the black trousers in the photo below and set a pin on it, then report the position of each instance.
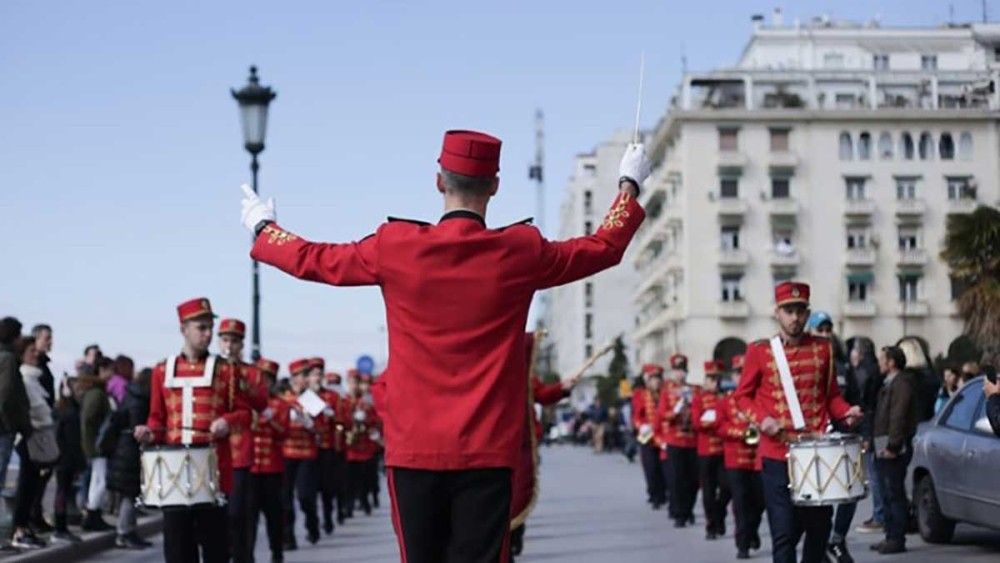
(362, 482)
(451, 516)
(667, 471)
(29, 480)
(185, 530)
(656, 486)
(327, 466)
(748, 504)
(340, 483)
(789, 522)
(300, 482)
(239, 517)
(892, 472)
(684, 489)
(265, 495)
(714, 492)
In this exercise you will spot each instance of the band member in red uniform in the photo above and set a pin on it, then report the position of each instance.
(457, 296)
(817, 398)
(269, 429)
(644, 423)
(300, 451)
(326, 437)
(743, 475)
(248, 383)
(674, 410)
(711, 469)
(193, 401)
(361, 448)
(342, 419)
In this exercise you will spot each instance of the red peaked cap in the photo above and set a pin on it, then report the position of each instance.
(300, 365)
(233, 326)
(317, 363)
(470, 153)
(194, 308)
(679, 362)
(714, 367)
(650, 370)
(269, 366)
(789, 292)
(333, 377)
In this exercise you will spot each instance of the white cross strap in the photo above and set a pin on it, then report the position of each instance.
(781, 362)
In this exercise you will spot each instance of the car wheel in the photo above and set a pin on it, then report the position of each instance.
(934, 526)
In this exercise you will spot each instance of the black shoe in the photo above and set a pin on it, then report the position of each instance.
(516, 543)
(755, 542)
(680, 523)
(40, 526)
(127, 542)
(340, 518)
(711, 536)
(375, 500)
(67, 536)
(277, 558)
(837, 552)
(291, 544)
(720, 530)
(876, 546)
(892, 546)
(26, 539)
(94, 522)
(367, 508)
(743, 554)
(313, 536)
(691, 520)
(657, 506)
(328, 527)
(137, 539)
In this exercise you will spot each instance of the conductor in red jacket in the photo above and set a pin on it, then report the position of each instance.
(456, 297)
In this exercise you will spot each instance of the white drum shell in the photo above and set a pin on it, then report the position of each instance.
(826, 471)
(180, 476)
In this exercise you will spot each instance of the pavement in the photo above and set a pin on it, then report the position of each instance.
(592, 509)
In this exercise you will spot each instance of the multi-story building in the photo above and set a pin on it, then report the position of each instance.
(585, 315)
(833, 153)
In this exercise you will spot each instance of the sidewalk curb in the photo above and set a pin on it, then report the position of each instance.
(92, 544)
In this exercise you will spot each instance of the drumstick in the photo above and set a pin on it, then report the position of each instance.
(638, 105)
(593, 359)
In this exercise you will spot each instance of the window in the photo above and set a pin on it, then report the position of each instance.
(885, 145)
(731, 288)
(906, 146)
(858, 284)
(588, 294)
(908, 287)
(588, 350)
(865, 145)
(926, 147)
(590, 170)
(729, 187)
(588, 326)
(960, 187)
(909, 238)
(730, 238)
(588, 202)
(779, 140)
(781, 276)
(588, 228)
(780, 188)
(928, 62)
(946, 146)
(906, 187)
(880, 61)
(833, 60)
(855, 188)
(783, 238)
(846, 146)
(857, 237)
(845, 100)
(963, 408)
(728, 139)
(958, 286)
(965, 146)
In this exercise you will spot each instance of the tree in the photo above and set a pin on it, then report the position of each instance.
(972, 251)
(607, 385)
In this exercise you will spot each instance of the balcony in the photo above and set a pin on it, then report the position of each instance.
(910, 208)
(962, 205)
(912, 257)
(733, 309)
(910, 309)
(784, 260)
(782, 208)
(783, 162)
(860, 256)
(732, 162)
(859, 207)
(860, 309)
(732, 207)
(733, 258)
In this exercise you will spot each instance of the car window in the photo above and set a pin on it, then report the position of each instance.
(982, 424)
(965, 406)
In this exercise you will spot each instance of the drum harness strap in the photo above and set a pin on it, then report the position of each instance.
(187, 385)
(781, 362)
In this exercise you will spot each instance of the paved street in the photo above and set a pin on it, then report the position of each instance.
(592, 510)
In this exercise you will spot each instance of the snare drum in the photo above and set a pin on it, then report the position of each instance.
(826, 471)
(178, 475)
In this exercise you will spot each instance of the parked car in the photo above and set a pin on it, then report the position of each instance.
(954, 467)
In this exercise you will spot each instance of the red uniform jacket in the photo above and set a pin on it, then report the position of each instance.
(760, 393)
(268, 437)
(731, 428)
(456, 297)
(709, 443)
(679, 430)
(544, 395)
(329, 429)
(300, 442)
(361, 446)
(253, 388)
(219, 399)
(644, 412)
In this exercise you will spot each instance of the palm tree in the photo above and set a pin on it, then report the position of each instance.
(972, 251)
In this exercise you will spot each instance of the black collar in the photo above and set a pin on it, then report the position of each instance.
(464, 214)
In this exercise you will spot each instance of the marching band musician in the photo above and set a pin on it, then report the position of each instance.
(742, 472)
(711, 469)
(269, 429)
(326, 437)
(674, 411)
(803, 364)
(372, 468)
(644, 401)
(300, 451)
(341, 420)
(193, 400)
(361, 448)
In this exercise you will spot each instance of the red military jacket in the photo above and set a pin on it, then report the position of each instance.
(731, 428)
(269, 437)
(679, 427)
(213, 395)
(253, 388)
(456, 296)
(330, 429)
(544, 395)
(761, 395)
(644, 403)
(709, 443)
(360, 445)
(300, 442)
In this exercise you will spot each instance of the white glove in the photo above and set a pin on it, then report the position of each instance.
(307, 421)
(645, 428)
(267, 414)
(255, 210)
(635, 164)
(328, 412)
(708, 417)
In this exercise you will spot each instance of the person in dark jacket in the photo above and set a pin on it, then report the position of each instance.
(42, 334)
(94, 407)
(864, 365)
(125, 473)
(926, 382)
(71, 460)
(14, 418)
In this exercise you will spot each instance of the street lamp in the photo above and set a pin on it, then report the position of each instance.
(253, 100)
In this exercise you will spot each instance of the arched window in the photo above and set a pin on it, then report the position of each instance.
(885, 145)
(865, 145)
(965, 146)
(926, 146)
(846, 146)
(946, 146)
(906, 146)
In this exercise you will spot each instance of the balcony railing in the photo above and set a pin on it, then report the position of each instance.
(912, 308)
(733, 258)
(859, 309)
(962, 205)
(782, 207)
(859, 207)
(910, 207)
(732, 162)
(912, 257)
(733, 309)
(860, 256)
(784, 259)
(732, 207)
(783, 162)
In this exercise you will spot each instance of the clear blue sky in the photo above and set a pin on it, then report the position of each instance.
(121, 157)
